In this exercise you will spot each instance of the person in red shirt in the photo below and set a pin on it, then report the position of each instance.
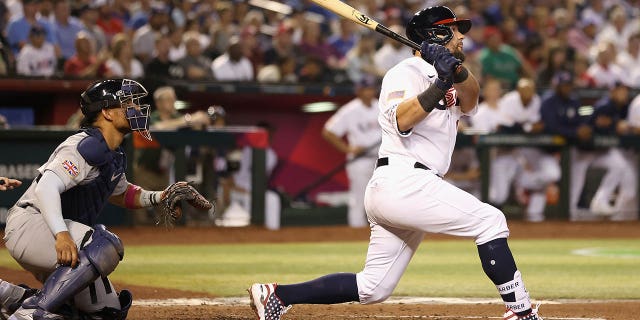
(85, 64)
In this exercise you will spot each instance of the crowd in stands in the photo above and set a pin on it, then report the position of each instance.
(295, 40)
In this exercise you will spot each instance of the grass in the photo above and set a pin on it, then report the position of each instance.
(439, 268)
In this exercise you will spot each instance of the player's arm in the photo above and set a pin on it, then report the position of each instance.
(135, 197)
(336, 141)
(8, 183)
(468, 89)
(48, 191)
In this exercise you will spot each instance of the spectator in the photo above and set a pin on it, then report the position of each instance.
(65, 28)
(195, 65)
(501, 61)
(178, 49)
(88, 19)
(604, 72)
(345, 39)
(357, 121)
(392, 51)
(161, 68)
(560, 115)
(360, 60)
(314, 70)
(556, 61)
(84, 63)
(108, 19)
(314, 44)
(145, 37)
(36, 58)
(18, 29)
(580, 68)
(581, 37)
(633, 117)
(233, 65)
(222, 31)
(122, 62)
(615, 30)
(629, 60)
(282, 45)
(284, 70)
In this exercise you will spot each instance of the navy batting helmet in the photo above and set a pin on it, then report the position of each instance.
(432, 25)
(111, 94)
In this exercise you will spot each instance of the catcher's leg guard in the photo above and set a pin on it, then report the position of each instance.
(98, 258)
(107, 313)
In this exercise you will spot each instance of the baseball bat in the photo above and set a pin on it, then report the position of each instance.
(348, 12)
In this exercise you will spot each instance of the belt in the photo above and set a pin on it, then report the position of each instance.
(381, 162)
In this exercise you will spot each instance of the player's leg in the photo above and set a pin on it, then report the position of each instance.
(444, 208)
(535, 180)
(98, 257)
(11, 297)
(359, 173)
(580, 162)
(504, 168)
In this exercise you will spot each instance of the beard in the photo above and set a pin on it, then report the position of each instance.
(458, 54)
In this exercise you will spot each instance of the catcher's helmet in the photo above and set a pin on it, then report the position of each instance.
(431, 24)
(111, 94)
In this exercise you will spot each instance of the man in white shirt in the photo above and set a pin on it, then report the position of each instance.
(233, 65)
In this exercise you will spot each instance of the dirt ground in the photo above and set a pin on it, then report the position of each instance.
(587, 310)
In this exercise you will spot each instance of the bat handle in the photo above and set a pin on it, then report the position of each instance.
(384, 30)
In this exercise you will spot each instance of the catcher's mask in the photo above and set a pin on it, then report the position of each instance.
(432, 25)
(114, 93)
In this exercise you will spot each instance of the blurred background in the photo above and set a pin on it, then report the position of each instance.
(241, 91)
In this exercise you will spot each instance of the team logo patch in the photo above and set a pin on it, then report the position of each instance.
(71, 168)
(395, 95)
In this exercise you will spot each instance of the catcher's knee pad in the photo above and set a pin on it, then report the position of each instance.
(98, 258)
(104, 251)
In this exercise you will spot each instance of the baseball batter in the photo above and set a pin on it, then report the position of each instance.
(421, 101)
(51, 231)
(358, 121)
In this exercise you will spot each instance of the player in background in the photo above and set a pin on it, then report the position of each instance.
(9, 184)
(421, 101)
(560, 114)
(610, 118)
(535, 168)
(358, 122)
(51, 231)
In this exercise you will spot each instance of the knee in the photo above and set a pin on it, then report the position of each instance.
(495, 226)
(371, 291)
(104, 251)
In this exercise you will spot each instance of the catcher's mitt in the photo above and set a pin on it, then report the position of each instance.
(171, 197)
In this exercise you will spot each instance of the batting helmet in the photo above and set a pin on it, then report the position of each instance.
(111, 94)
(432, 25)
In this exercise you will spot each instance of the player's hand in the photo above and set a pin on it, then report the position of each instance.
(584, 132)
(66, 249)
(200, 119)
(8, 184)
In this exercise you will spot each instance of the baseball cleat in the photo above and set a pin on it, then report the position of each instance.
(265, 303)
(533, 315)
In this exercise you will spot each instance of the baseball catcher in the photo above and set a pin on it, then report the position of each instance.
(52, 231)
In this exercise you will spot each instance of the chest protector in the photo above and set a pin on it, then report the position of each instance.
(84, 202)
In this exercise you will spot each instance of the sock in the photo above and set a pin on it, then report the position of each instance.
(499, 265)
(330, 289)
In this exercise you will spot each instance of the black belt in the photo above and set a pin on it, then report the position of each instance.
(385, 162)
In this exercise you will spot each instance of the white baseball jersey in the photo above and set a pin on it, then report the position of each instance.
(633, 117)
(32, 61)
(435, 135)
(487, 119)
(513, 111)
(358, 122)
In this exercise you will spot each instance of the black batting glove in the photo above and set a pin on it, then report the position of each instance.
(442, 60)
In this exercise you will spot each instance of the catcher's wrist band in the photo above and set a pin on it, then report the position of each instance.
(150, 198)
(430, 98)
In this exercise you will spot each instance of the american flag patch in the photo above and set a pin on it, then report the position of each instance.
(395, 95)
(71, 168)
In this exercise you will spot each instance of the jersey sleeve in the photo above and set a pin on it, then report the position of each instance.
(68, 165)
(400, 84)
(338, 123)
(122, 185)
